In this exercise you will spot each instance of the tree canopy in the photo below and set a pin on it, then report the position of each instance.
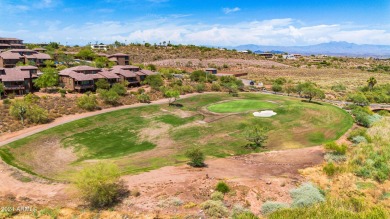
(49, 78)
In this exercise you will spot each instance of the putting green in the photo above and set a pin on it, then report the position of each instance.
(238, 106)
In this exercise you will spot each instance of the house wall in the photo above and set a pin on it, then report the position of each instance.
(67, 82)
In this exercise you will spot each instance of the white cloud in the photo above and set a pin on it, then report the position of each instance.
(267, 32)
(230, 10)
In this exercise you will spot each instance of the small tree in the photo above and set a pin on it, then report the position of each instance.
(37, 114)
(196, 156)
(257, 137)
(371, 83)
(49, 78)
(289, 88)
(276, 88)
(173, 95)
(99, 185)
(102, 84)
(19, 109)
(359, 99)
(312, 91)
(87, 102)
(103, 62)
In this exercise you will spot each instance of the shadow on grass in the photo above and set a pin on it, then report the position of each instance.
(313, 102)
(179, 105)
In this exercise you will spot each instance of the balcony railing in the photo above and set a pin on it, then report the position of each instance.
(14, 87)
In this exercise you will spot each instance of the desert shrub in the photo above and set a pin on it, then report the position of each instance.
(336, 149)
(118, 88)
(217, 196)
(6, 101)
(222, 187)
(270, 206)
(154, 81)
(358, 99)
(141, 91)
(51, 213)
(36, 114)
(306, 195)
(11, 96)
(364, 116)
(216, 87)
(374, 118)
(359, 132)
(135, 192)
(102, 84)
(174, 201)
(196, 157)
(214, 209)
(332, 209)
(276, 88)
(99, 185)
(31, 98)
(330, 169)
(108, 96)
(338, 87)
(359, 139)
(87, 102)
(384, 113)
(62, 92)
(200, 87)
(239, 212)
(187, 89)
(336, 158)
(143, 98)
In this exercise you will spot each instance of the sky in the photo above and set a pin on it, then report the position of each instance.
(199, 22)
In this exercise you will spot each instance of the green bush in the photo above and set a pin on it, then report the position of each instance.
(222, 187)
(196, 157)
(330, 169)
(143, 98)
(336, 158)
(99, 185)
(359, 139)
(6, 101)
(120, 89)
(216, 87)
(36, 114)
(214, 209)
(102, 84)
(270, 206)
(336, 149)
(108, 96)
(306, 195)
(200, 87)
(239, 212)
(217, 196)
(87, 102)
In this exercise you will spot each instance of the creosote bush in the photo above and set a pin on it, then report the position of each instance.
(214, 209)
(306, 195)
(330, 169)
(222, 187)
(217, 196)
(87, 102)
(270, 206)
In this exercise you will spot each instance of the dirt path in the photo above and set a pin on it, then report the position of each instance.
(14, 136)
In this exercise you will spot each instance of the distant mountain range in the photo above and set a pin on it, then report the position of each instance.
(331, 48)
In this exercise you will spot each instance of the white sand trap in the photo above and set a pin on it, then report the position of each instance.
(265, 113)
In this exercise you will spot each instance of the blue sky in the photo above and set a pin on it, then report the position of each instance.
(200, 22)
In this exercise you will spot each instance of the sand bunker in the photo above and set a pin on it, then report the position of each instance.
(265, 113)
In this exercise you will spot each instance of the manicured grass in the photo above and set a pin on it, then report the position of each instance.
(237, 106)
(150, 137)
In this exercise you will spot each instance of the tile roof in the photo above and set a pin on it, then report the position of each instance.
(147, 72)
(14, 74)
(10, 55)
(108, 74)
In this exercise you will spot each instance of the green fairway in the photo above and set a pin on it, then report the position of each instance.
(150, 137)
(237, 106)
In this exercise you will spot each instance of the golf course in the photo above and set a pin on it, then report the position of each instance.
(150, 137)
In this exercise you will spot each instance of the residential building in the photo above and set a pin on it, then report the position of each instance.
(10, 58)
(18, 80)
(42, 50)
(11, 43)
(266, 55)
(120, 58)
(83, 78)
(211, 70)
(132, 74)
(99, 47)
